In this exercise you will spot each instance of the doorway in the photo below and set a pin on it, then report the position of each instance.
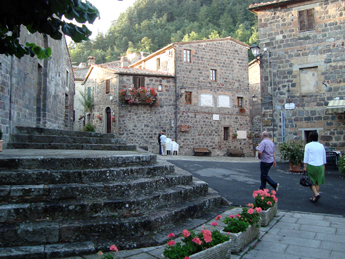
(306, 135)
(108, 112)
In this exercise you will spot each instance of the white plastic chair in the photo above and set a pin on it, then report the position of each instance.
(169, 145)
(174, 148)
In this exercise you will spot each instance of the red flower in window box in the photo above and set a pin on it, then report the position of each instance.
(242, 110)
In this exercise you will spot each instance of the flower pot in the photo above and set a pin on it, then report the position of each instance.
(242, 239)
(295, 168)
(220, 251)
(1, 145)
(267, 215)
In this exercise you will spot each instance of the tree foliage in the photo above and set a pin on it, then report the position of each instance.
(46, 17)
(152, 24)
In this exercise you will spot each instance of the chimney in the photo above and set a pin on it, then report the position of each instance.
(91, 60)
(124, 62)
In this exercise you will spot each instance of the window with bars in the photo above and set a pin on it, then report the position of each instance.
(107, 86)
(239, 101)
(186, 55)
(213, 74)
(188, 97)
(306, 20)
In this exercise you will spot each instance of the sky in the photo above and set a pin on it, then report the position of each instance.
(109, 11)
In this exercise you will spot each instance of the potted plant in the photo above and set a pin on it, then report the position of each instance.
(1, 141)
(250, 135)
(266, 204)
(293, 152)
(234, 135)
(201, 245)
(99, 117)
(242, 110)
(113, 119)
(242, 228)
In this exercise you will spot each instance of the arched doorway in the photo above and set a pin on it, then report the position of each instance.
(108, 112)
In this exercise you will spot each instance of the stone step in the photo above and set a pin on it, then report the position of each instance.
(116, 147)
(111, 228)
(48, 139)
(94, 207)
(46, 177)
(55, 132)
(75, 160)
(71, 249)
(74, 191)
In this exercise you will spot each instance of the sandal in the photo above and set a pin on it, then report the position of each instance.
(317, 198)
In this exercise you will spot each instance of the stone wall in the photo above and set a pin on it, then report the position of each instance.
(207, 118)
(33, 92)
(306, 68)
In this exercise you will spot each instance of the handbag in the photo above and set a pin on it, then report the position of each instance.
(305, 180)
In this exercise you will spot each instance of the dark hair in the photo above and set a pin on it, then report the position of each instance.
(313, 136)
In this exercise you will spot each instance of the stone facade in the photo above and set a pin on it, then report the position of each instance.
(36, 92)
(207, 111)
(303, 62)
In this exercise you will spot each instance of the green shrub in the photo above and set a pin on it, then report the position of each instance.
(88, 127)
(292, 151)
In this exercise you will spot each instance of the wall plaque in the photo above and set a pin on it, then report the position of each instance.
(184, 127)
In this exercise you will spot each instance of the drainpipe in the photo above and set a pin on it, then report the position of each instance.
(175, 95)
(10, 99)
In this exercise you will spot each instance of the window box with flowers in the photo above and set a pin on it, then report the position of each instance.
(131, 96)
(204, 245)
(242, 110)
(268, 202)
(242, 228)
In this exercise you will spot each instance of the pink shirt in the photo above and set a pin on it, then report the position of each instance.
(267, 148)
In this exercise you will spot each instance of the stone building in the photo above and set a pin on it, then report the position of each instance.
(214, 106)
(302, 74)
(36, 92)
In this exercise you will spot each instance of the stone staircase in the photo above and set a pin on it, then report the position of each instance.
(67, 202)
(40, 138)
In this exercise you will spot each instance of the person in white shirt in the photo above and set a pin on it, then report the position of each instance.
(314, 163)
(163, 144)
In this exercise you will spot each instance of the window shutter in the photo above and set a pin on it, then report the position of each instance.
(302, 18)
(310, 15)
(142, 81)
(135, 81)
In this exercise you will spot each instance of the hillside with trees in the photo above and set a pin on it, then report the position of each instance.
(152, 24)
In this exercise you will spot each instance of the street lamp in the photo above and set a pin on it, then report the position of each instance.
(255, 50)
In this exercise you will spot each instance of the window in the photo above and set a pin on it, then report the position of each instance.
(158, 64)
(226, 133)
(213, 74)
(138, 81)
(188, 97)
(306, 20)
(186, 55)
(160, 88)
(239, 101)
(107, 86)
(66, 101)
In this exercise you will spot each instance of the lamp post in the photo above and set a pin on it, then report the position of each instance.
(178, 96)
